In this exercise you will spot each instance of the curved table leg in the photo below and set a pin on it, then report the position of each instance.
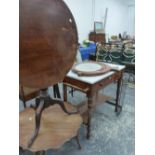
(118, 94)
(61, 104)
(90, 102)
(78, 141)
(37, 122)
(41, 103)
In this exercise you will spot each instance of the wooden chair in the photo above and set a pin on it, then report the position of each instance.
(102, 51)
(26, 93)
(129, 62)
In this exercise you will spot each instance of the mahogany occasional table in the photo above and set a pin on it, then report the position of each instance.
(91, 86)
(56, 128)
(48, 43)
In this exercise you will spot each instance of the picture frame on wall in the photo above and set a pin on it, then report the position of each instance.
(98, 27)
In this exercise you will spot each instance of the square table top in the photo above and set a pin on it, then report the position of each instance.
(95, 79)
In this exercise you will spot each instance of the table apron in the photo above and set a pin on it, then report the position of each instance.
(92, 88)
(103, 83)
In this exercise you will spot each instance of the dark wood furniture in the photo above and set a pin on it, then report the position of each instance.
(56, 128)
(48, 43)
(26, 93)
(97, 37)
(46, 39)
(91, 86)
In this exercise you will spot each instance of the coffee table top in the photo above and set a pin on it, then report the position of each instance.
(95, 79)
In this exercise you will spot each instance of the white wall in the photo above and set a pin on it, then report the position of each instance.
(116, 17)
(117, 20)
(82, 12)
(131, 20)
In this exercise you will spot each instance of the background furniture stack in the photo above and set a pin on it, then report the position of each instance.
(118, 54)
(97, 37)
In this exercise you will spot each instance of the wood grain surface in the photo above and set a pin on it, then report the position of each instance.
(47, 42)
(57, 127)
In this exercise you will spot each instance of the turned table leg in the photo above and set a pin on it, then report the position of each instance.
(78, 141)
(90, 102)
(118, 94)
(65, 92)
(89, 124)
(56, 91)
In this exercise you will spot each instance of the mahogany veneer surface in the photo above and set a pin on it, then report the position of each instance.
(48, 42)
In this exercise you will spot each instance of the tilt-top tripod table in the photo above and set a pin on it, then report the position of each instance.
(47, 50)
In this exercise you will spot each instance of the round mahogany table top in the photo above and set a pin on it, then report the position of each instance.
(48, 42)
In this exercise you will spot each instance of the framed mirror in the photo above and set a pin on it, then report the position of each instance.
(98, 27)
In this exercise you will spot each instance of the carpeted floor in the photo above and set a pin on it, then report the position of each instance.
(111, 134)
